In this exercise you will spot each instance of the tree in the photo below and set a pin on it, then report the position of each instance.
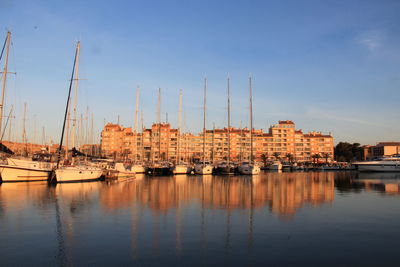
(276, 155)
(264, 159)
(326, 156)
(315, 157)
(348, 152)
(289, 157)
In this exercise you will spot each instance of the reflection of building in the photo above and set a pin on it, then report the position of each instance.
(281, 141)
(283, 192)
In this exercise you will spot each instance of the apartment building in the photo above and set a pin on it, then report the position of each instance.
(161, 142)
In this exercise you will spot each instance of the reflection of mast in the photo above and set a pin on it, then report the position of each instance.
(251, 217)
(178, 238)
(228, 219)
(61, 251)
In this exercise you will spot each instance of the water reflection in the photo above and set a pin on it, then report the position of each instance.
(159, 214)
(386, 183)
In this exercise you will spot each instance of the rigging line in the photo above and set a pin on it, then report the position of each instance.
(5, 126)
(2, 50)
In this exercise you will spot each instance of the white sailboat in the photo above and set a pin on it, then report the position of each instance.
(180, 167)
(204, 168)
(227, 168)
(137, 167)
(74, 173)
(19, 169)
(250, 168)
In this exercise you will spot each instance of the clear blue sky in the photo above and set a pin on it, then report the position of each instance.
(332, 66)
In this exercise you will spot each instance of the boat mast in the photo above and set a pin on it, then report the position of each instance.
(213, 144)
(229, 123)
(24, 130)
(142, 139)
(136, 123)
(76, 79)
(4, 84)
(204, 121)
(66, 109)
(179, 127)
(159, 123)
(251, 121)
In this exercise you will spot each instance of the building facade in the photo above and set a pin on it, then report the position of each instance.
(161, 142)
(383, 149)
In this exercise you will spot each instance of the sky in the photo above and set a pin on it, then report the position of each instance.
(330, 66)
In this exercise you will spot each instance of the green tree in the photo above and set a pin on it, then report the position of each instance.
(348, 152)
(276, 155)
(326, 156)
(264, 159)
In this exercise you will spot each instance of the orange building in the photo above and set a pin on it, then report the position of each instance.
(161, 142)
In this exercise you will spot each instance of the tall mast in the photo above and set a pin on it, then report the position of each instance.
(213, 144)
(24, 129)
(87, 126)
(4, 84)
(66, 108)
(251, 121)
(241, 143)
(204, 120)
(142, 143)
(10, 127)
(159, 123)
(179, 126)
(229, 122)
(76, 80)
(136, 123)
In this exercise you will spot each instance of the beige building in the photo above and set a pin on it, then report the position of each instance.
(282, 141)
(384, 149)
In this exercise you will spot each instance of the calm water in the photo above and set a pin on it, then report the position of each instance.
(329, 218)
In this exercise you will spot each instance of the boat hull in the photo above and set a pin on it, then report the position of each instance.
(250, 170)
(159, 171)
(180, 169)
(72, 174)
(21, 174)
(203, 170)
(378, 167)
(227, 170)
(138, 169)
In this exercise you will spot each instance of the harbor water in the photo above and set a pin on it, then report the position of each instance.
(296, 218)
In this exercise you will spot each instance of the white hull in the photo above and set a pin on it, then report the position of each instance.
(22, 174)
(180, 169)
(203, 170)
(138, 169)
(249, 169)
(77, 174)
(379, 166)
(276, 166)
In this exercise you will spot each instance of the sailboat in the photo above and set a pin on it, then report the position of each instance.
(250, 167)
(75, 172)
(180, 167)
(204, 167)
(227, 168)
(159, 168)
(137, 167)
(19, 169)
